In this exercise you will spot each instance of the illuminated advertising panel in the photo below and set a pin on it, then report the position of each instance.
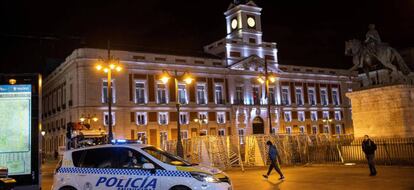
(15, 128)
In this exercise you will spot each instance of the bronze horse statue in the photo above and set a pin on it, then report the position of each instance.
(368, 58)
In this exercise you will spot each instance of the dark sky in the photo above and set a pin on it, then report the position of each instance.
(37, 35)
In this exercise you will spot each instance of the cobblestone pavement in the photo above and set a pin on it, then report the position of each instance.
(304, 178)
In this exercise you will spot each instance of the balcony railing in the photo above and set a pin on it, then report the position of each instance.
(162, 101)
(140, 100)
(182, 101)
(202, 101)
(219, 101)
(238, 102)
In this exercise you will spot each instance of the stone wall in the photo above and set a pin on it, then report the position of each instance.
(383, 111)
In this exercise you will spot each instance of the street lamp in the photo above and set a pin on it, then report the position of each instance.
(327, 121)
(200, 122)
(88, 119)
(188, 79)
(267, 77)
(107, 66)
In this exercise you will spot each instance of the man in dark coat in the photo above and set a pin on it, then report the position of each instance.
(369, 147)
(273, 154)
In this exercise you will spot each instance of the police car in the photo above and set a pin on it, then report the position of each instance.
(133, 167)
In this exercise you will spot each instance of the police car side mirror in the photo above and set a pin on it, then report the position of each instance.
(148, 166)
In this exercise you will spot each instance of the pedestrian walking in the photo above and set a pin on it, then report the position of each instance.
(273, 156)
(369, 148)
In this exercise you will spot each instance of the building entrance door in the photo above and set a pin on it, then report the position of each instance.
(258, 125)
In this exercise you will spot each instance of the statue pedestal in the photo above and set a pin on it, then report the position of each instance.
(383, 111)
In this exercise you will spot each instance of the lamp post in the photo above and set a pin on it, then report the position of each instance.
(42, 152)
(186, 77)
(107, 66)
(267, 77)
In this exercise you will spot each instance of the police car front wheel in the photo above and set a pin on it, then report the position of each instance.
(180, 187)
(67, 188)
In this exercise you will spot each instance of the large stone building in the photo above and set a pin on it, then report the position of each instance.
(226, 92)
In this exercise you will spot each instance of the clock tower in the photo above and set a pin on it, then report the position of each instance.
(243, 21)
(244, 36)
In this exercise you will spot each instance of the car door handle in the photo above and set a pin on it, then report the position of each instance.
(82, 175)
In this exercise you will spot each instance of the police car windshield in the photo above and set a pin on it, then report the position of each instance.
(166, 157)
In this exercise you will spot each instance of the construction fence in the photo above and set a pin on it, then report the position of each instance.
(244, 151)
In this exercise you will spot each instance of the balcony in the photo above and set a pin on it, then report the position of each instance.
(162, 101)
(202, 101)
(220, 101)
(182, 101)
(238, 102)
(140, 100)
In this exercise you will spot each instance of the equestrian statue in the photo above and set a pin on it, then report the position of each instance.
(373, 53)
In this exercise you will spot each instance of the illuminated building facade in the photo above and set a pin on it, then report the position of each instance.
(225, 96)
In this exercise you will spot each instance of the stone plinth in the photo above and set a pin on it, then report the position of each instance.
(383, 111)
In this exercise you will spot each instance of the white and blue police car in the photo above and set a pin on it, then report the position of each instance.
(133, 167)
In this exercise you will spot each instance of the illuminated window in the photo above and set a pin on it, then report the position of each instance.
(314, 130)
(201, 94)
(106, 118)
(161, 94)
(140, 92)
(312, 96)
(182, 94)
(338, 115)
(301, 116)
(221, 117)
(335, 96)
(338, 129)
(326, 129)
(203, 117)
(142, 137)
(256, 95)
(239, 98)
(105, 91)
(299, 96)
(325, 114)
(221, 132)
(183, 118)
(324, 97)
(288, 116)
(288, 130)
(219, 94)
(184, 134)
(141, 118)
(314, 115)
(163, 118)
(285, 95)
(302, 130)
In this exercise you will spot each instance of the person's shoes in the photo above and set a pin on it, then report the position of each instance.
(282, 178)
(373, 174)
(266, 176)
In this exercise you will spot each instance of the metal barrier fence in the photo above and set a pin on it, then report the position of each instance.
(251, 150)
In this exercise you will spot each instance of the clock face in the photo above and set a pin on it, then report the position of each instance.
(251, 22)
(234, 23)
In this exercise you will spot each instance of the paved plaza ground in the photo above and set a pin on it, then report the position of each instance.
(306, 178)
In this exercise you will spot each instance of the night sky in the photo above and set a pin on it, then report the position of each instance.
(36, 36)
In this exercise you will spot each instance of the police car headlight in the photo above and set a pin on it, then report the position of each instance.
(203, 177)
